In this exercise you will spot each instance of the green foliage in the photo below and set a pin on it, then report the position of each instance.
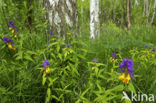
(72, 76)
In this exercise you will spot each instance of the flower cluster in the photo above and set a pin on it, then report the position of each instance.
(70, 27)
(113, 55)
(95, 60)
(69, 36)
(146, 46)
(51, 33)
(12, 28)
(9, 42)
(67, 45)
(153, 52)
(126, 67)
(112, 59)
(46, 69)
(69, 51)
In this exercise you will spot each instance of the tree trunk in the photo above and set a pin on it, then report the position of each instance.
(30, 15)
(124, 23)
(101, 13)
(146, 10)
(61, 14)
(128, 14)
(153, 13)
(94, 19)
(136, 2)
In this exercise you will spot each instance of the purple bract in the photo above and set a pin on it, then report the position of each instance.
(113, 55)
(127, 65)
(45, 63)
(67, 45)
(8, 40)
(95, 61)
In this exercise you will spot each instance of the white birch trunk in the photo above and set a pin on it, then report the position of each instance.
(146, 10)
(61, 14)
(94, 19)
(154, 7)
(136, 2)
(128, 14)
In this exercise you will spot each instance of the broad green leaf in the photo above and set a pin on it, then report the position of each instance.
(43, 79)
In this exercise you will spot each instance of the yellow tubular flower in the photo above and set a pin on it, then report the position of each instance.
(10, 46)
(112, 60)
(70, 51)
(53, 39)
(122, 76)
(47, 70)
(68, 33)
(15, 36)
(93, 68)
(10, 28)
(125, 78)
(13, 31)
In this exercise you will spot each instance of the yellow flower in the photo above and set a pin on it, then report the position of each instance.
(10, 46)
(10, 28)
(70, 51)
(125, 78)
(68, 33)
(15, 36)
(53, 39)
(93, 68)
(13, 31)
(153, 55)
(47, 70)
(113, 60)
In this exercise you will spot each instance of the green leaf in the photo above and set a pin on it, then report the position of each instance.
(48, 92)
(117, 88)
(131, 87)
(48, 95)
(51, 81)
(58, 48)
(53, 96)
(28, 57)
(19, 55)
(53, 55)
(60, 56)
(43, 79)
(127, 101)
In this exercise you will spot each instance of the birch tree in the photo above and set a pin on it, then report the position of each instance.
(61, 14)
(94, 19)
(154, 7)
(146, 10)
(136, 2)
(128, 14)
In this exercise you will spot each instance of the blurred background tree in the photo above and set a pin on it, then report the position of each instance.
(58, 15)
